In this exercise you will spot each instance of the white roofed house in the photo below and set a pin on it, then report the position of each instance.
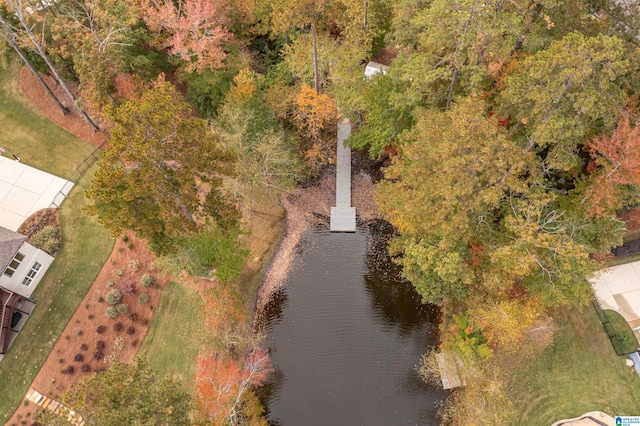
(22, 266)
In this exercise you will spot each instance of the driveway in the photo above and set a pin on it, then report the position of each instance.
(618, 288)
(24, 190)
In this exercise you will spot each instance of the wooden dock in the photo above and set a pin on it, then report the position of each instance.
(343, 216)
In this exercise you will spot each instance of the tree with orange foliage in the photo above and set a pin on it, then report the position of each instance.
(615, 169)
(223, 386)
(315, 113)
(196, 30)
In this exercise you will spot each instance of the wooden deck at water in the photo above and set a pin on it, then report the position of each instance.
(343, 216)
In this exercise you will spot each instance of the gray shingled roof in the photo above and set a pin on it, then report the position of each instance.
(10, 242)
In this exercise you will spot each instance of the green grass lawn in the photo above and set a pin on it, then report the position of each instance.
(626, 338)
(31, 136)
(85, 248)
(172, 344)
(579, 372)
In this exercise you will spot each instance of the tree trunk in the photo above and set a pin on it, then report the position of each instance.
(316, 81)
(17, 9)
(366, 13)
(534, 16)
(10, 39)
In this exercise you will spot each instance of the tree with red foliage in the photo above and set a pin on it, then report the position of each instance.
(196, 30)
(615, 168)
(222, 384)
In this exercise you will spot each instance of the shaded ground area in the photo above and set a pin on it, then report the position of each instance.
(631, 244)
(71, 122)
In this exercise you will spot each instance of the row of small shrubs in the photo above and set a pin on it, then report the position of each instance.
(113, 311)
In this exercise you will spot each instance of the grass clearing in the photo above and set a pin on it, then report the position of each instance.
(27, 133)
(85, 248)
(626, 338)
(579, 372)
(615, 261)
(172, 343)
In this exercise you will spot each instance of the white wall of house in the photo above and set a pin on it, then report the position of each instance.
(29, 271)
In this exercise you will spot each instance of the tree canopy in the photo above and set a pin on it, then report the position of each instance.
(161, 172)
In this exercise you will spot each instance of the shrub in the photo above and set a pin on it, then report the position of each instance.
(143, 298)
(135, 343)
(117, 326)
(61, 361)
(100, 299)
(122, 308)
(134, 264)
(130, 245)
(133, 317)
(129, 288)
(112, 312)
(114, 296)
(119, 272)
(101, 329)
(131, 330)
(86, 306)
(84, 347)
(125, 238)
(100, 345)
(91, 316)
(78, 358)
(70, 370)
(148, 281)
(47, 239)
(118, 344)
(98, 354)
(79, 332)
(111, 284)
(85, 368)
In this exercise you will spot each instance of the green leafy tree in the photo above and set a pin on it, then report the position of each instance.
(128, 394)
(560, 97)
(266, 165)
(161, 173)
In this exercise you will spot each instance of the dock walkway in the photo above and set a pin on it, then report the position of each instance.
(343, 216)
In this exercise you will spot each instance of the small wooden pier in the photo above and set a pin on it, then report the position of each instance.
(343, 216)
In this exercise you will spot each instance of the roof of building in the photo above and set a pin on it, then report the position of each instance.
(10, 243)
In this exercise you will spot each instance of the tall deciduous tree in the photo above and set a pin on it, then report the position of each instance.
(223, 385)
(266, 165)
(160, 175)
(315, 113)
(196, 30)
(562, 96)
(128, 394)
(21, 13)
(9, 36)
(616, 178)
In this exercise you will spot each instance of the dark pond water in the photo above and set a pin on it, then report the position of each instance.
(345, 336)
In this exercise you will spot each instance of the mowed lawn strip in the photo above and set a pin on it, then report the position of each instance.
(172, 343)
(579, 372)
(27, 133)
(85, 248)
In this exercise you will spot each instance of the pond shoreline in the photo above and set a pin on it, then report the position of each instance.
(305, 207)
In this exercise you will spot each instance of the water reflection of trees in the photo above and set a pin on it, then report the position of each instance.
(271, 315)
(390, 295)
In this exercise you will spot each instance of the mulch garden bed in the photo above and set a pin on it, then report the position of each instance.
(91, 339)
